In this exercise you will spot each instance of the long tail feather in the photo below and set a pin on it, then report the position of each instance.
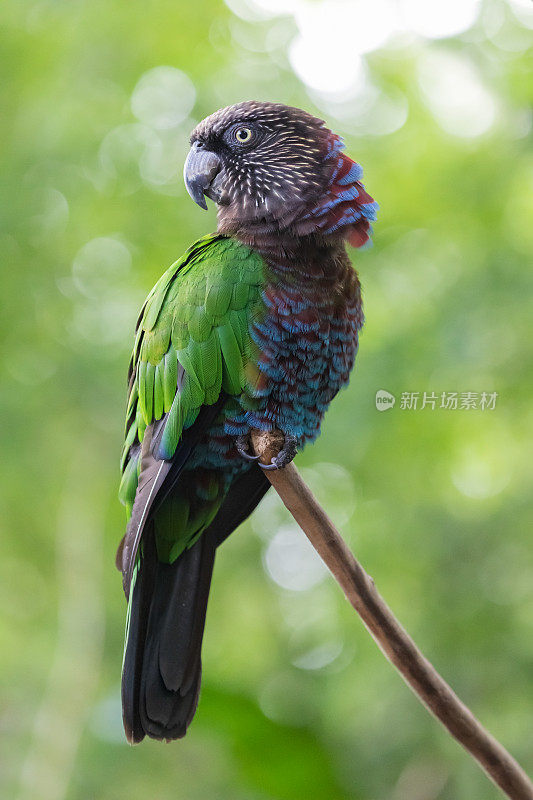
(166, 617)
(162, 664)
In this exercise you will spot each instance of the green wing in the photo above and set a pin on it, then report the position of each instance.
(192, 343)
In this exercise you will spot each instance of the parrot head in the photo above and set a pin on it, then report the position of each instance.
(273, 169)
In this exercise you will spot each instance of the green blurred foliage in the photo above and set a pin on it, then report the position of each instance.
(297, 701)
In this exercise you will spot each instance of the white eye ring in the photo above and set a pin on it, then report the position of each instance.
(243, 135)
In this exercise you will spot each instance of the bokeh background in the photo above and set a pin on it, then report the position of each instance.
(434, 99)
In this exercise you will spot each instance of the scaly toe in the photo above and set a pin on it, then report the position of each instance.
(285, 455)
(242, 444)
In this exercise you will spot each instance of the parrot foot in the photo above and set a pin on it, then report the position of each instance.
(285, 455)
(242, 443)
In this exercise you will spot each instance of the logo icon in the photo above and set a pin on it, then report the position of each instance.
(384, 400)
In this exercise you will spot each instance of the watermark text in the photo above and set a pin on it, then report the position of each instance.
(449, 401)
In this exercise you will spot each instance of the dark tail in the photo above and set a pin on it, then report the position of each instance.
(162, 662)
(166, 617)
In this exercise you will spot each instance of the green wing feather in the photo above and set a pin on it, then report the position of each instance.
(192, 343)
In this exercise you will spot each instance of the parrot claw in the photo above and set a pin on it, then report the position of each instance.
(285, 455)
(242, 444)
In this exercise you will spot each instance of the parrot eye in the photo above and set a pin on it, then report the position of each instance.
(243, 135)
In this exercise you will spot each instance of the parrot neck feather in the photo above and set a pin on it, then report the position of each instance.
(341, 212)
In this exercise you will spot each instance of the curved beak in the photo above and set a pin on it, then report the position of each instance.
(200, 169)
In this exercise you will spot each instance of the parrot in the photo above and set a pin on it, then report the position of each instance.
(255, 327)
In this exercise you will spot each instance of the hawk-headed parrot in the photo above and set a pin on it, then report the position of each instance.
(254, 327)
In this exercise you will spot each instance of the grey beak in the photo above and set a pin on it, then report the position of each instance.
(201, 167)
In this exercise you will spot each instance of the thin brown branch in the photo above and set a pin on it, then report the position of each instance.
(419, 674)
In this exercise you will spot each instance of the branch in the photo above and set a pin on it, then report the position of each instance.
(419, 674)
